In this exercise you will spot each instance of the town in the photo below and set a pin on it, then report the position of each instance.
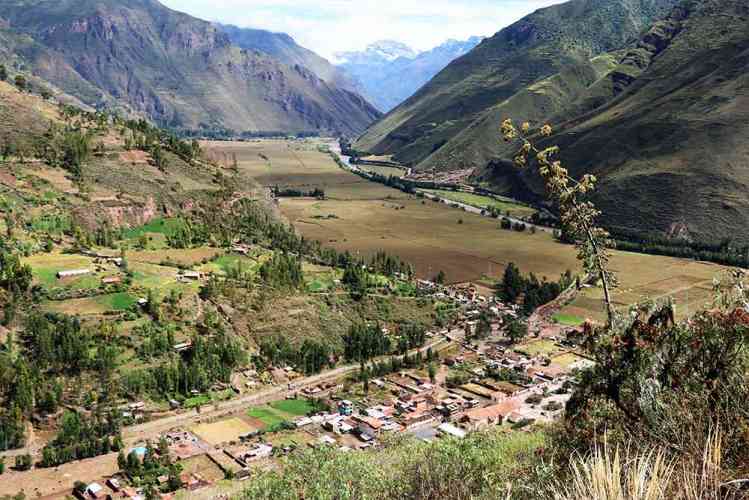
(462, 381)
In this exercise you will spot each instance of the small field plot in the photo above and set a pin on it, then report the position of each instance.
(538, 348)
(382, 170)
(507, 206)
(295, 407)
(45, 267)
(568, 319)
(226, 263)
(223, 431)
(567, 359)
(283, 439)
(204, 466)
(269, 417)
(185, 257)
(477, 390)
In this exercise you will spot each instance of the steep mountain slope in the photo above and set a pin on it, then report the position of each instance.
(389, 73)
(670, 148)
(283, 47)
(178, 70)
(532, 49)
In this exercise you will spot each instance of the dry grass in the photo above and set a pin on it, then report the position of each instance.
(615, 474)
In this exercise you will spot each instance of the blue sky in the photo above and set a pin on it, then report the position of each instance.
(329, 26)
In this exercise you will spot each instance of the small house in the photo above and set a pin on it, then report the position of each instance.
(72, 273)
(95, 490)
(114, 484)
(346, 407)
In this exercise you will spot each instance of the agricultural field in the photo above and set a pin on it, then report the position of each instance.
(273, 415)
(223, 431)
(363, 218)
(507, 206)
(382, 170)
(538, 348)
(297, 164)
(648, 277)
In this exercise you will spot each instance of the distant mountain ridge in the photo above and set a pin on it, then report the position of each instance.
(657, 109)
(389, 72)
(283, 47)
(532, 49)
(180, 71)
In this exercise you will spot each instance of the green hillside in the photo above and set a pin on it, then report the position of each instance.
(530, 50)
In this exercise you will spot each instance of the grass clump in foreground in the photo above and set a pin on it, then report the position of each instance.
(479, 466)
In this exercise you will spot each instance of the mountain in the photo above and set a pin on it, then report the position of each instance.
(173, 68)
(285, 49)
(377, 53)
(389, 72)
(668, 137)
(660, 120)
(528, 51)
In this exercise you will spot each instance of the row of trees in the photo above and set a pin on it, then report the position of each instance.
(364, 342)
(282, 271)
(80, 437)
(288, 192)
(531, 291)
(310, 357)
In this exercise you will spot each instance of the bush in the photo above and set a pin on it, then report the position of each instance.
(534, 399)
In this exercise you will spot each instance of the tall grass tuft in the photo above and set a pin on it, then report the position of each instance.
(636, 474)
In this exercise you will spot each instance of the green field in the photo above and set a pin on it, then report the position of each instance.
(568, 319)
(485, 202)
(296, 407)
(155, 226)
(118, 301)
(270, 418)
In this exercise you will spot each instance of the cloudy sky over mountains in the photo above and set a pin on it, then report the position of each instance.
(329, 26)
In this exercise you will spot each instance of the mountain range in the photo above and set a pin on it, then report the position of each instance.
(179, 71)
(649, 95)
(389, 72)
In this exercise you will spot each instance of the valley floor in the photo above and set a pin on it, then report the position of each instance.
(364, 217)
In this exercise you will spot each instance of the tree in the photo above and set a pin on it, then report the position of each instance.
(432, 373)
(21, 82)
(122, 461)
(23, 462)
(577, 214)
(516, 331)
(440, 278)
(512, 285)
(3, 73)
(357, 280)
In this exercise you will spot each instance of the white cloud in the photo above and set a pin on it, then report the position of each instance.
(328, 26)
